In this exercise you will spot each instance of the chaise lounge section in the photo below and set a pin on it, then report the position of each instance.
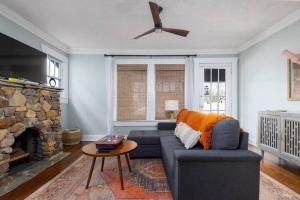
(202, 174)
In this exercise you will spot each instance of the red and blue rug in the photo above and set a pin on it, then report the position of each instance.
(146, 181)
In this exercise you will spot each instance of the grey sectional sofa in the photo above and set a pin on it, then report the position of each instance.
(203, 174)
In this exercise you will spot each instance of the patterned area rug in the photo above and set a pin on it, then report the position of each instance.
(147, 181)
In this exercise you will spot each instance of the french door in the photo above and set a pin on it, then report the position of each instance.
(215, 87)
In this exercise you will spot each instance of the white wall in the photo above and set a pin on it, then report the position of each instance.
(87, 94)
(263, 77)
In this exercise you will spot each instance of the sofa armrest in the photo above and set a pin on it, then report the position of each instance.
(166, 126)
(244, 141)
(216, 174)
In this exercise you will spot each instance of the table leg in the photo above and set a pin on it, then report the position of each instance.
(102, 165)
(120, 172)
(91, 172)
(128, 163)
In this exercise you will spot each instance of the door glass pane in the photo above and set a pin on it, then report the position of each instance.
(206, 89)
(169, 85)
(222, 103)
(215, 75)
(213, 97)
(207, 73)
(222, 89)
(222, 75)
(214, 89)
(214, 102)
(206, 103)
(131, 92)
(222, 112)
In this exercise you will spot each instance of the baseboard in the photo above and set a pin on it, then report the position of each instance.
(91, 137)
(252, 142)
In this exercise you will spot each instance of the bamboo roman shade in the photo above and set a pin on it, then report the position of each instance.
(131, 92)
(169, 85)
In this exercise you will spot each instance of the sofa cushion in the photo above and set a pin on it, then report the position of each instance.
(148, 137)
(166, 133)
(146, 151)
(226, 135)
(166, 126)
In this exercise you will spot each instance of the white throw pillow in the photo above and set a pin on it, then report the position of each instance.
(188, 136)
(178, 129)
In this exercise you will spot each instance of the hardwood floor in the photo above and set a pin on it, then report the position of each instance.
(284, 172)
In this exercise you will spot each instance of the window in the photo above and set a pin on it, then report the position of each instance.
(143, 86)
(169, 85)
(54, 71)
(58, 69)
(131, 92)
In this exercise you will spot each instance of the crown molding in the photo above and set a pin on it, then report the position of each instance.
(16, 18)
(151, 51)
(280, 25)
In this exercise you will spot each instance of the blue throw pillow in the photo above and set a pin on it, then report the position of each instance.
(225, 135)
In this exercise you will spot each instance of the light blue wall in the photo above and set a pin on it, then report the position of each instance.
(263, 77)
(64, 113)
(17, 32)
(87, 94)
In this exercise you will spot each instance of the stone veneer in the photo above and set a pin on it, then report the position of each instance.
(25, 106)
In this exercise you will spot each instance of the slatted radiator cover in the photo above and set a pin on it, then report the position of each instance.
(279, 133)
(291, 136)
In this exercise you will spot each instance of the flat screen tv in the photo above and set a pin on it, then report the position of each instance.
(21, 61)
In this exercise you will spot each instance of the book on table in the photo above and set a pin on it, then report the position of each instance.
(109, 142)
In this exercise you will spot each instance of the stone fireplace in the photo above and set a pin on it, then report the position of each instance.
(30, 124)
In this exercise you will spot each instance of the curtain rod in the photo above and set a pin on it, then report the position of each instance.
(123, 55)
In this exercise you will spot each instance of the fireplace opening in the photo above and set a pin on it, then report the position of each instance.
(27, 146)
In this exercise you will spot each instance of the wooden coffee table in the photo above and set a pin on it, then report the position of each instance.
(122, 149)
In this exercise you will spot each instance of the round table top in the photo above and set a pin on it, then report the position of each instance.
(125, 147)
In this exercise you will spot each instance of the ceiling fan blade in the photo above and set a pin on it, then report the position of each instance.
(155, 10)
(180, 32)
(146, 33)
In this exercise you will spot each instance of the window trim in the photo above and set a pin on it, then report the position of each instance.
(64, 97)
(150, 62)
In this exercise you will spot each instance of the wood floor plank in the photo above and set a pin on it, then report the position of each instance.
(284, 172)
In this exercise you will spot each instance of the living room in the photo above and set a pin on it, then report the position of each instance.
(149, 100)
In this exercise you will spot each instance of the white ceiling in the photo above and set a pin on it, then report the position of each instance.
(111, 24)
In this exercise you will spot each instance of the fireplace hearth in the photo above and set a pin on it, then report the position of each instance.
(30, 126)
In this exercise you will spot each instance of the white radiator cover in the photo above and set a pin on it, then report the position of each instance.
(279, 133)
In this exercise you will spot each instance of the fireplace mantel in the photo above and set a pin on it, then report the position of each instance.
(26, 105)
(28, 84)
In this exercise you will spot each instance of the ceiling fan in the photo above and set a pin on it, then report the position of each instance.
(158, 28)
